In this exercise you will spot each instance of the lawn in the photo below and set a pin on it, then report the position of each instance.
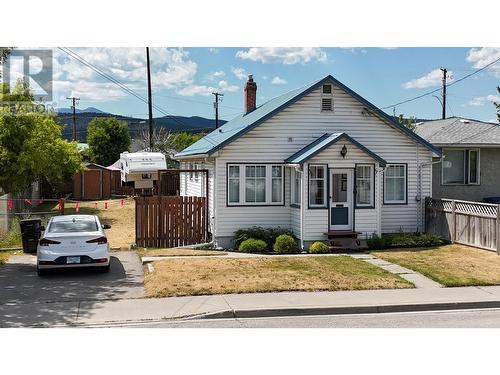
(122, 219)
(181, 277)
(176, 252)
(449, 265)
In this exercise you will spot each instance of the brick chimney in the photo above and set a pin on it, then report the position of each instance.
(250, 94)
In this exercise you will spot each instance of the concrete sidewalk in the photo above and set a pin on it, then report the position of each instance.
(109, 312)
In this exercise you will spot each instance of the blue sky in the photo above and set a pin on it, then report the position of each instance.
(183, 78)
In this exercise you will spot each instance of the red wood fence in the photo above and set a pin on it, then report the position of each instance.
(170, 221)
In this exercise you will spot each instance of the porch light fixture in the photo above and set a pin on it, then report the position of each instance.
(343, 152)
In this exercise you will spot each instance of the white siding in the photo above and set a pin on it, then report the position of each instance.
(295, 127)
(191, 187)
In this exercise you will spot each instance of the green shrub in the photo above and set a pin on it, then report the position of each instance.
(268, 235)
(285, 244)
(429, 240)
(253, 245)
(377, 242)
(403, 240)
(319, 248)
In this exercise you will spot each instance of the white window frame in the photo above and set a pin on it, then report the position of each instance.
(405, 179)
(325, 185)
(466, 166)
(372, 186)
(294, 176)
(269, 178)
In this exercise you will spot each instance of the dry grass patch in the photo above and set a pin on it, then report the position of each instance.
(121, 219)
(449, 265)
(181, 277)
(5, 255)
(176, 252)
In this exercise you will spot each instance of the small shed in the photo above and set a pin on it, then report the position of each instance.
(93, 183)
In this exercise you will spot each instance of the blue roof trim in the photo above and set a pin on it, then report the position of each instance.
(325, 141)
(242, 124)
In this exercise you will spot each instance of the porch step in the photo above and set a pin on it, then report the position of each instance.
(347, 243)
(342, 234)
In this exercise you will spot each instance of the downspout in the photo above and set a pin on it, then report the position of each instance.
(302, 204)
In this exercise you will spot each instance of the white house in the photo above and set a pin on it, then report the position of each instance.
(317, 160)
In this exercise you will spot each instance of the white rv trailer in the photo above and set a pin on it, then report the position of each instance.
(140, 169)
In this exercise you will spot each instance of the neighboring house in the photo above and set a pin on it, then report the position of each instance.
(316, 160)
(470, 166)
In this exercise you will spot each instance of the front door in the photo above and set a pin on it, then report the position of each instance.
(341, 192)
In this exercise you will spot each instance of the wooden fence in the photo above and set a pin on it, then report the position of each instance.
(169, 221)
(468, 223)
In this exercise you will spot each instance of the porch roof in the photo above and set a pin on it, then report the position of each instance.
(323, 142)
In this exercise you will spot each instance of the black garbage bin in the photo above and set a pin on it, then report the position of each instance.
(30, 232)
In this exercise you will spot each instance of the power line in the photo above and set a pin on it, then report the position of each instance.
(116, 82)
(448, 85)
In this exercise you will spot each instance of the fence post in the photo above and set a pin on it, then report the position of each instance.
(453, 221)
(498, 229)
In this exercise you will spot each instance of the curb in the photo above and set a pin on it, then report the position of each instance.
(309, 311)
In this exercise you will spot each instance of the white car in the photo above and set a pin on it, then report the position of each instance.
(73, 241)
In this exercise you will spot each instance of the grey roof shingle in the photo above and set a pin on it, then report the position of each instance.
(459, 131)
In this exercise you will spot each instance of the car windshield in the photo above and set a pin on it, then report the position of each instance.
(75, 225)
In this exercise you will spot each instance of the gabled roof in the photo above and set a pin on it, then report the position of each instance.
(459, 131)
(325, 141)
(240, 125)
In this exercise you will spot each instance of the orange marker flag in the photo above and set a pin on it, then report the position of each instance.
(9, 204)
(122, 203)
(77, 206)
(106, 205)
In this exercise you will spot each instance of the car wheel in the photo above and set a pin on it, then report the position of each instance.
(41, 272)
(104, 269)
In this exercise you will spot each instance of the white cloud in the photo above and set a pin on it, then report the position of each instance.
(213, 50)
(482, 100)
(226, 87)
(431, 79)
(87, 90)
(171, 69)
(283, 55)
(192, 90)
(278, 81)
(240, 73)
(480, 57)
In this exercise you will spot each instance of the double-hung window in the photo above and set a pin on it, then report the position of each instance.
(395, 184)
(365, 177)
(317, 186)
(460, 167)
(296, 187)
(255, 184)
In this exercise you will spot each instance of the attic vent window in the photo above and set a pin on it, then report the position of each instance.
(326, 104)
(327, 89)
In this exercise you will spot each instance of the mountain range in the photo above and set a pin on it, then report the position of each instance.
(193, 124)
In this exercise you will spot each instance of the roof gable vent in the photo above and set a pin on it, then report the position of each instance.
(326, 104)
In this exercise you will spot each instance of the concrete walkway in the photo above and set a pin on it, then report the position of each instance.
(419, 280)
(109, 312)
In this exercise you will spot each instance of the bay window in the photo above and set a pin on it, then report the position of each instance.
(317, 186)
(365, 177)
(460, 167)
(395, 184)
(255, 184)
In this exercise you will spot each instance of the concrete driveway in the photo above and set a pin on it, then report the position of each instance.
(21, 290)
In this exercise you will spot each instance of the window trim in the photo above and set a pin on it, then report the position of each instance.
(364, 206)
(293, 173)
(326, 192)
(466, 166)
(268, 202)
(396, 203)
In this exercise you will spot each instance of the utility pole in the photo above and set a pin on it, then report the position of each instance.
(216, 106)
(444, 70)
(150, 102)
(73, 106)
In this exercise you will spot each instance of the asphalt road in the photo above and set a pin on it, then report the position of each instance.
(442, 319)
